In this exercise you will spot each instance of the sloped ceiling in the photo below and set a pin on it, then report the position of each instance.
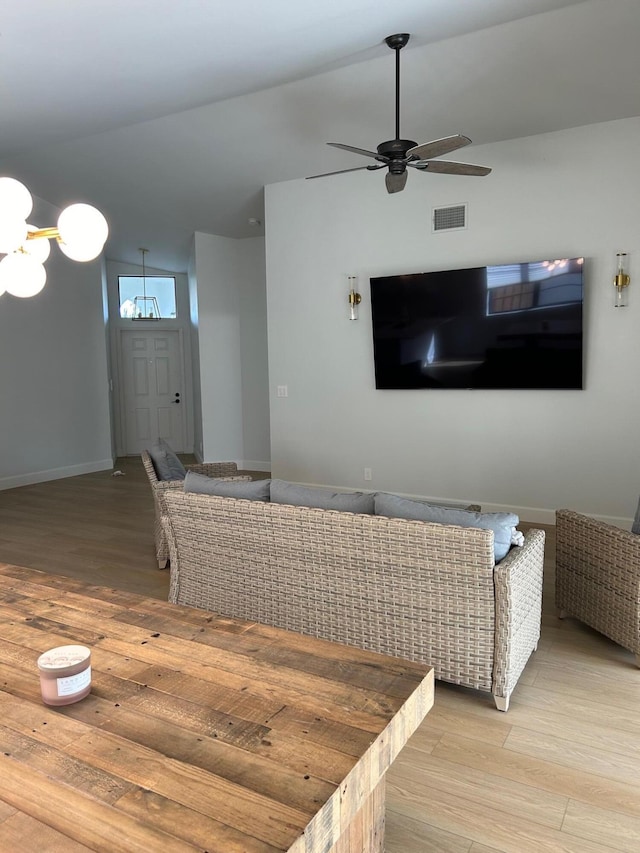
(171, 117)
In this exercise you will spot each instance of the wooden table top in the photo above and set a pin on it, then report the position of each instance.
(200, 733)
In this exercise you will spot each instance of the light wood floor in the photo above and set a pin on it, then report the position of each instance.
(559, 772)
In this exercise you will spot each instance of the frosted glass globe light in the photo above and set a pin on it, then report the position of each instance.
(83, 251)
(13, 233)
(15, 199)
(83, 232)
(22, 275)
(38, 248)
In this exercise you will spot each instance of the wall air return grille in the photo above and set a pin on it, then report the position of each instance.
(449, 218)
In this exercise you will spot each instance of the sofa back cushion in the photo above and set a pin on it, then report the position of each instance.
(283, 492)
(502, 523)
(252, 490)
(165, 461)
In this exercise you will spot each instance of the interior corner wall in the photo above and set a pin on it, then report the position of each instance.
(548, 196)
(254, 360)
(109, 352)
(229, 276)
(55, 418)
(194, 324)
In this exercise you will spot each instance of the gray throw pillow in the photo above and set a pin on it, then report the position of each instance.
(251, 490)
(283, 492)
(635, 527)
(165, 461)
(502, 523)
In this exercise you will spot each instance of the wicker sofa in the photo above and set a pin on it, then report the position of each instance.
(160, 487)
(423, 591)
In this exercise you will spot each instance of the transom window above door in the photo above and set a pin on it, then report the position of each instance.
(152, 297)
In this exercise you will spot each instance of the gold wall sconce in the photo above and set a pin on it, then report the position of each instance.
(354, 297)
(621, 281)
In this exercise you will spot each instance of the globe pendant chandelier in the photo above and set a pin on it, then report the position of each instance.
(80, 233)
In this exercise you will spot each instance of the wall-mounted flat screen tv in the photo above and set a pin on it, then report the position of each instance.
(512, 326)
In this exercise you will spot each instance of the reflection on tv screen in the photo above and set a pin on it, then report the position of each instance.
(509, 326)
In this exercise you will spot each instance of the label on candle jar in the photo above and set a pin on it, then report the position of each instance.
(74, 683)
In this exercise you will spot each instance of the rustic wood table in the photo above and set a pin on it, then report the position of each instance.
(200, 732)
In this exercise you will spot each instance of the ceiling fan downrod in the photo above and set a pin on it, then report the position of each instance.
(397, 42)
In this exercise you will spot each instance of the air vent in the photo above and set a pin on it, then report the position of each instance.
(450, 218)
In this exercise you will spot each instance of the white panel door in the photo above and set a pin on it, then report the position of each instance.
(153, 379)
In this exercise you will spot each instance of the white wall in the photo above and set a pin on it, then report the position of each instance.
(566, 194)
(231, 333)
(54, 414)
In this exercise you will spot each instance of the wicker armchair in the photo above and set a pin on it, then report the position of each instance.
(598, 577)
(228, 470)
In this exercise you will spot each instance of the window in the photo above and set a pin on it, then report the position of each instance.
(152, 297)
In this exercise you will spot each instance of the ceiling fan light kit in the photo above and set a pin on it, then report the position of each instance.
(398, 154)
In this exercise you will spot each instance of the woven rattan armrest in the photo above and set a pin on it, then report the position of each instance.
(223, 470)
(518, 589)
(160, 488)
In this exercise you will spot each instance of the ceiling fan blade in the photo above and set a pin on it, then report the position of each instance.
(438, 147)
(446, 167)
(395, 183)
(342, 171)
(363, 151)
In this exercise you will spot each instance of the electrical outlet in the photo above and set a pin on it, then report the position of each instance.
(368, 473)
(282, 391)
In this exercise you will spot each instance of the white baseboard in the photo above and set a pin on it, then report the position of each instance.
(528, 514)
(252, 465)
(243, 464)
(539, 515)
(55, 474)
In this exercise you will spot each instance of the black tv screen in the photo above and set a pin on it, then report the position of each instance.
(513, 326)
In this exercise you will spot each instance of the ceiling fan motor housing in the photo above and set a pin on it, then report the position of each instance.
(395, 149)
(394, 152)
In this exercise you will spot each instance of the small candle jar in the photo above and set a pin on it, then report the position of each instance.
(65, 674)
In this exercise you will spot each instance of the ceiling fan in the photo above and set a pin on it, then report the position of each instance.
(397, 154)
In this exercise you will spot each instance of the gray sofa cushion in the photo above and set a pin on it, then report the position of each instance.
(502, 523)
(252, 490)
(165, 461)
(283, 492)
